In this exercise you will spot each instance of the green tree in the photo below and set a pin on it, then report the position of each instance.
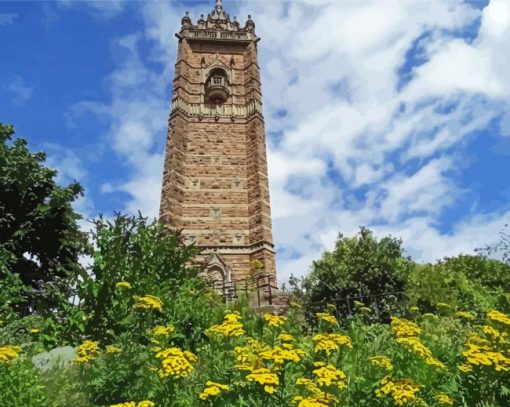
(359, 268)
(40, 240)
(466, 282)
(154, 262)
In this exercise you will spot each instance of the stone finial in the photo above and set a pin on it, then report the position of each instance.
(218, 13)
(250, 24)
(186, 20)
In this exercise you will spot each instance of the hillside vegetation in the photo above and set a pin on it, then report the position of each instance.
(138, 327)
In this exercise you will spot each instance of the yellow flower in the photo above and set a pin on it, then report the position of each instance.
(230, 326)
(499, 317)
(301, 401)
(358, 304)
(403, 327)
(429, 315)
(309, 385)
(148, 302)
(330, 342)
(465, 315)
(482, 355)
(112, 349)
(9, 353)
(285, 337)
(382, 361)
(323, 316)
(160, 330)
(87, 351)
(493, 333)
(274, 320)
(126, 404)
(403, 391)
(175, 362)
(414, 308)
(123, 284)
(444, 399)
(415, 346)
(465, 368)
(213, 389)
(282, 354)
(33, 330)
(443, 305)
(266, 378)
(249, 357)
(328, 375)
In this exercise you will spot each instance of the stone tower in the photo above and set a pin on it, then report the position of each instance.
(215, 183)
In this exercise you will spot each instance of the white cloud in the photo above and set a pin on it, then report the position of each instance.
(99, 8)
(19, 90)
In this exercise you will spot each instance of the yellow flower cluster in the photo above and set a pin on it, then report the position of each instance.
(484, 355)
(494, 334)
(499, 317)
(161, 330)
(282, 354)
(230, 326)
(414, 345)
(323, 316)
(9, 353)
(403, 391)
(329, 342)
(213, 389)
(403, 328)
(382, 361)
(249, 357)
(285, 337)
(264, 377)
(275, 320)
(465, 315)
(309, 385)
(113, 349)
(328, 375)
(123, 284)
(444, 399)
(87, 351)
(149, 302)
(317, 401)
(144, 403)
(175, 362)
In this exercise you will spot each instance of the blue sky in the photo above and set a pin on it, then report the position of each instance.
(393, 115)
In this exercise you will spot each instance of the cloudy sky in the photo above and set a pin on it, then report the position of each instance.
(390, 114)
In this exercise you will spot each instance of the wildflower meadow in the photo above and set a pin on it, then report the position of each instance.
(132, 323)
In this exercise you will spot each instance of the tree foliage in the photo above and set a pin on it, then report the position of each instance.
(375, 272)
(151, 259)
(40, 240)
(357, 268)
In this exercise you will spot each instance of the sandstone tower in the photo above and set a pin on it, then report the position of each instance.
(215, 182)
